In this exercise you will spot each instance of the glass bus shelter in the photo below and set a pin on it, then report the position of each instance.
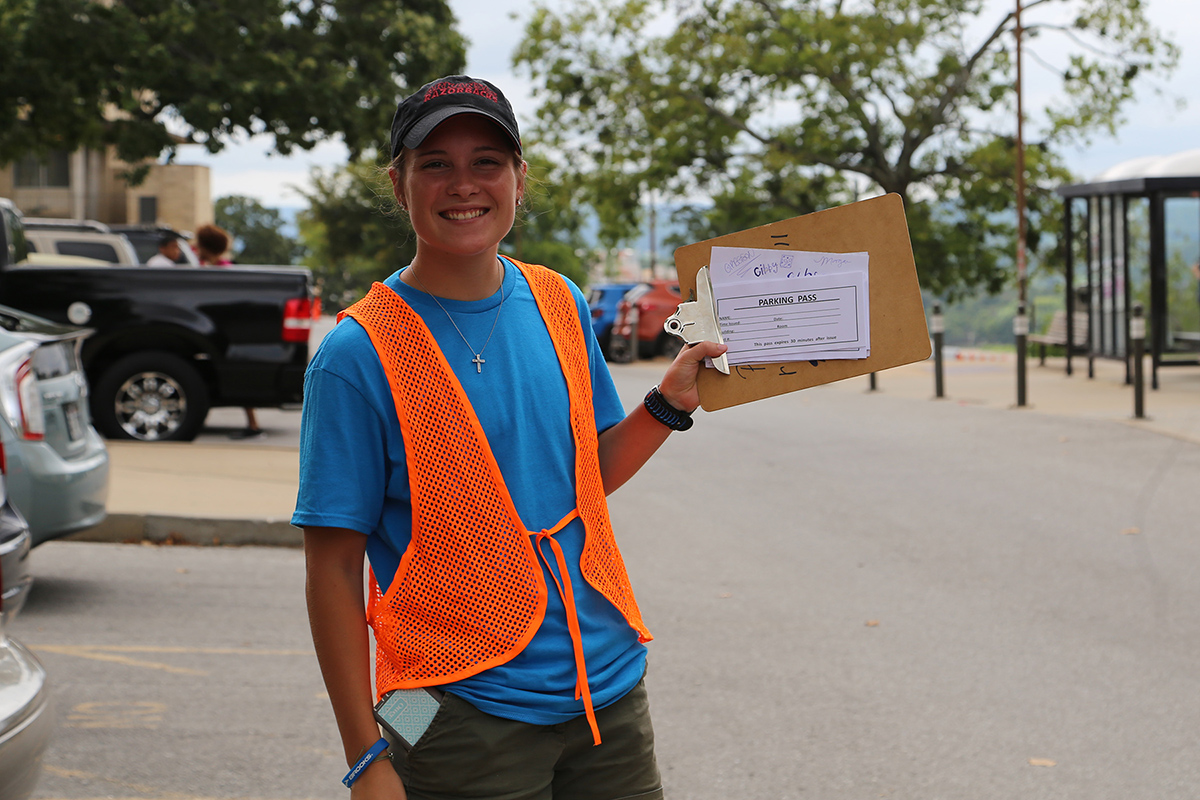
(1132, 236)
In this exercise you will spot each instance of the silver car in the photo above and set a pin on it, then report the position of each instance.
(55, 464)
(25, 710)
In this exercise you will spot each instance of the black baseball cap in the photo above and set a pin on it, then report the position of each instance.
(435, 102)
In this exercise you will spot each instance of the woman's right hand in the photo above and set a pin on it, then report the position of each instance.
(337, 614)
(378, 782)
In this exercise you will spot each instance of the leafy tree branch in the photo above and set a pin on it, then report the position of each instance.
(146, 75)
(833, 98)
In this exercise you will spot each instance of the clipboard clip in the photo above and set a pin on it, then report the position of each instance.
(696, 320)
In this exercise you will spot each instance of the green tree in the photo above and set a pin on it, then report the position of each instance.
(772, 189)
(354, 232)
(257, 232)
(139, 73)
(549, 230)
(784, 106)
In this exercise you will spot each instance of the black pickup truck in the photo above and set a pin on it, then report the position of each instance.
(169, 342)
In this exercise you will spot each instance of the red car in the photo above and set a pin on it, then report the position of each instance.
(638, 330)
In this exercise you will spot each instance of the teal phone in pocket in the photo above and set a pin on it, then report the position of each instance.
(406, 713)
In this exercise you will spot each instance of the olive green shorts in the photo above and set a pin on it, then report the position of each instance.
(467, 753)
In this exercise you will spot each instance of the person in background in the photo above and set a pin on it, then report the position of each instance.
(168, 252)
(212, 243)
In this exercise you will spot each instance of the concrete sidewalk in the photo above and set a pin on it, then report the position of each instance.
(985, 378)
(193, 493)
(237, 494)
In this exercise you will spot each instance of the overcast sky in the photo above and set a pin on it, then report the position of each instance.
(1156, 126)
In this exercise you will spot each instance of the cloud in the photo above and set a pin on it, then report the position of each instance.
(248, 168)
(272, 188)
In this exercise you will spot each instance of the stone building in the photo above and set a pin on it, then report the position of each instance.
(91, 184)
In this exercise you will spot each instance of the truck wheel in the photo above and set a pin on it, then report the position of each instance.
(150, 397)
(619, 347)
(669, 345)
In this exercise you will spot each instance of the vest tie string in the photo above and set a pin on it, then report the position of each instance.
(567, 593)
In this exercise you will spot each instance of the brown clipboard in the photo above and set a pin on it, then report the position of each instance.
(898, 331)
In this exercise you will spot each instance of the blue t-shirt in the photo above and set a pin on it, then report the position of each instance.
(353, 474)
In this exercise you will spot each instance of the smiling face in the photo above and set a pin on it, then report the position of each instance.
(460, 188)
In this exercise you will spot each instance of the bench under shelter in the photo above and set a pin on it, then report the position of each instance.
(1131, 235)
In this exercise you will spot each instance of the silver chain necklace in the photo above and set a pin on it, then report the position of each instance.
(478, 360)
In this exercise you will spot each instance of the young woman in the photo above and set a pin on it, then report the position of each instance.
(461, 431)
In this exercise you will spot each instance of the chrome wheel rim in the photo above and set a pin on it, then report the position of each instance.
(150, 406)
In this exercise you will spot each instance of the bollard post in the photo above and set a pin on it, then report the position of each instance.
(937, 327)
(1137, 335)
(1020, 331)
(873, 387)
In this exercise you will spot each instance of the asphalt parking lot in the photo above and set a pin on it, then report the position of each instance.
(179, 672)
(854, 596)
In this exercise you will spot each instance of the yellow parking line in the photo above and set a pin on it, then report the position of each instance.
(98, 654)
(219, 651)
(88, 776)
(110, 653)
(149, 792)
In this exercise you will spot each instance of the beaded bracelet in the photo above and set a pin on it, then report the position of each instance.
(664, 412)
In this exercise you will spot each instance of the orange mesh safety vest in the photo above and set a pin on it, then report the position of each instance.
(469, 593)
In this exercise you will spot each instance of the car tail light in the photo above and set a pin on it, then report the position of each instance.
(29, 398)
(297, 319)
(20, 393)
(3, 460)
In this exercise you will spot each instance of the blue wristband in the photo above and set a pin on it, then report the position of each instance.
(365, 762)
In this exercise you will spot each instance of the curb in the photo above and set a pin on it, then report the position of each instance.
(160, 529)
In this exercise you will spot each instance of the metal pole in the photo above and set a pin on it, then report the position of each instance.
(1137, 334)
(1020, 331)
(1069, 273)
(1022, 276)
(937, 327)
(653, 238)
(1158, 282)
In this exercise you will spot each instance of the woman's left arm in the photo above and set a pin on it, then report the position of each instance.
(626, 446)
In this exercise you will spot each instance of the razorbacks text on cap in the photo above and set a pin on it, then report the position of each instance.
(445, 88)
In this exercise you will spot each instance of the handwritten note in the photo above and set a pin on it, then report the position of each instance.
(780, 306)
(731, 265)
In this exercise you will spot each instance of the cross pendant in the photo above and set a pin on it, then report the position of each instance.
(478, 361)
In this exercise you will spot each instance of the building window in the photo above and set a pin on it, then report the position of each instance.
(148, 210)
(52, 171)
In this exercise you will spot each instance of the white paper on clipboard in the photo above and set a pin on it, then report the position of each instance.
(789, 305)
